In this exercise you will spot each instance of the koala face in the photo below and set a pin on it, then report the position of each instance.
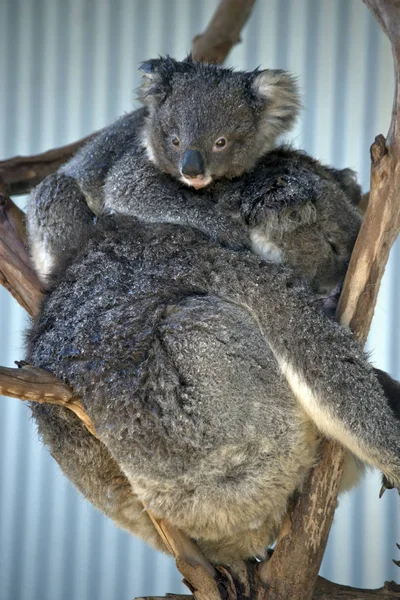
(207, 123)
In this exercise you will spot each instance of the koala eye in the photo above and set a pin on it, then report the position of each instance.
(175, 141)
(220, 143)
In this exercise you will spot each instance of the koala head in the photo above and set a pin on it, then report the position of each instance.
(206, 122)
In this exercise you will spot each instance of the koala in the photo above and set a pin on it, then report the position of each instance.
(278, 201)
(165, 350)
(209, 374)
(200, 124)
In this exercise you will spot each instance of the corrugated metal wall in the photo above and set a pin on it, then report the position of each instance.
(68, 67)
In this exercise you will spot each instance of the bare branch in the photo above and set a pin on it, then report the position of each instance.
(38, 385)
(324, 590)
(294, 566)
(16, 271)
(223, 31)
(327, 590)
(21, 173)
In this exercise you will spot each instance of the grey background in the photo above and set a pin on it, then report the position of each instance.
(69, 67)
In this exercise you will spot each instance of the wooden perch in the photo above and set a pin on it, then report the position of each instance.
(21, 173)
(324, 590)
(223, 31)
(294, 566)
(16, 270)
(37, 385)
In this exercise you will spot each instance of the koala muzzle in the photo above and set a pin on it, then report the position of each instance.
(192, 164)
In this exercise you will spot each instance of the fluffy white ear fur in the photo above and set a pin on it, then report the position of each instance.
(280, 91)
(149, 90)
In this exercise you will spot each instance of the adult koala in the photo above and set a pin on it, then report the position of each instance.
(209, 375)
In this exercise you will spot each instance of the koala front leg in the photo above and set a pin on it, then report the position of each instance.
(340, 392)
(58, 220)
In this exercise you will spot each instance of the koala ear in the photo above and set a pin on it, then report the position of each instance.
(279, 91)
(152, 89)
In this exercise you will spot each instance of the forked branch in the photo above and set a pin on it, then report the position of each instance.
(294, 566)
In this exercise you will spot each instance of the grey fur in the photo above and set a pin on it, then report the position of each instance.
(182, 350)
(114, 173)
(183, 345)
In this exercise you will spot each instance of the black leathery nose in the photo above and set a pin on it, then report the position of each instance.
(192, 163)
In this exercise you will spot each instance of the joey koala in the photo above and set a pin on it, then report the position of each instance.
(209, 374)
(203, 152)
(200, 124)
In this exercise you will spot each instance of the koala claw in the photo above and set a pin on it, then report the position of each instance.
(396, 562)
(387, 485)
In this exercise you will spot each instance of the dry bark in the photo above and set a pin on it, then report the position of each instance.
(294, 566)
(16, 270)
(324, 590)
(223, 31)
(21, 173)
(38, 385)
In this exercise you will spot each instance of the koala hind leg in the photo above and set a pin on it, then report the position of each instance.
(91, 468)
(58, 220)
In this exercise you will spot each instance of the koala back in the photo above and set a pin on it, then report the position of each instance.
(183, 353)
(180, 385)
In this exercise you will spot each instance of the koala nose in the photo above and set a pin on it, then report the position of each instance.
(192, 163)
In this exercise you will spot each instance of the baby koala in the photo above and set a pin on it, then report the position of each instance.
(203, 153)
(300, 213)
(199, 124)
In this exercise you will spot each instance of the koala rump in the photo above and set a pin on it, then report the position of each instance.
(207, 391)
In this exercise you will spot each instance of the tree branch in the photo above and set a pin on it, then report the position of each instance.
(324, 590)
(223, 31)
(294, 566)
(38, 385)
(21, 173)
(16, 270)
